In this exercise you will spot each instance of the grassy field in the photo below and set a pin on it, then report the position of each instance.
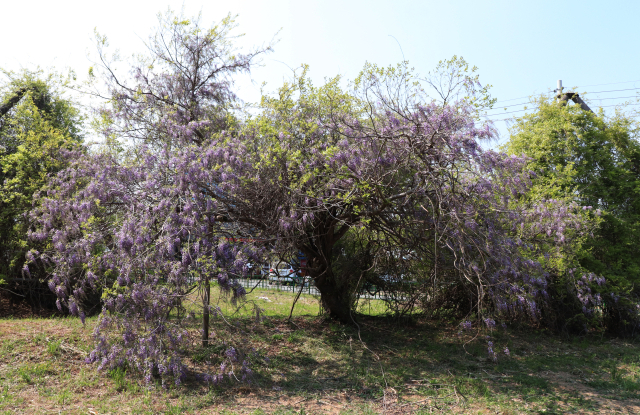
(315, 366)
(278, 304)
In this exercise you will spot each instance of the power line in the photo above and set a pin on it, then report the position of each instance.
(513, 99)
(612, 83)
(618, 105)
(513, 105)
(614, 90)
(503, 113)
(585, 86)
(600, 106)
(601, 99)
(591, 99)
(587, 92)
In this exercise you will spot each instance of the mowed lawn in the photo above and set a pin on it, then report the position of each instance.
(314, 366)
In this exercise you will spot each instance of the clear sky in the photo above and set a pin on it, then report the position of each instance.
(521, 47)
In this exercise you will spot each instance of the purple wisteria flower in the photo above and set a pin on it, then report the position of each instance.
(490, 323)
(492, 354)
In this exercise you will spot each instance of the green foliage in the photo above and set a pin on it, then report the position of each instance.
(119, 378)
(34, 373)
(531, 381)
(289, 124)
(38, 124)
(595, 161)
(54, 347)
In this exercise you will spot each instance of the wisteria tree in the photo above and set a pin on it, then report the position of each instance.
(157, 220)
(132, 220)
(405, 174)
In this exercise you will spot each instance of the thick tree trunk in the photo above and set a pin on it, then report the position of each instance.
(335, 291)
(334, 296)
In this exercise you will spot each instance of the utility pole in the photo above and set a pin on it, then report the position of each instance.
(564, 97)
(559, 90)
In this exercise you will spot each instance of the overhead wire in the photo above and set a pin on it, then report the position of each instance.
(593, 99)
(503, 113)
(513, 105)
(614, 90)
(513, 99)
(601, 99)
(618, 105)
(599, 106)
(488, 116)
(583, 86)
(612, 83)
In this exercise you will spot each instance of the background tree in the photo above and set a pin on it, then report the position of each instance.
(592, 160)
(37, 125)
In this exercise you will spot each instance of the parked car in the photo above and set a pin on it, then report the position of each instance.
(386, 282)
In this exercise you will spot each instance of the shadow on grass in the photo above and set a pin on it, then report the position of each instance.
(413, 364)
(422, 360)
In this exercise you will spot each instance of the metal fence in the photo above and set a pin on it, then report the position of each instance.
(249, 284)
(308, 288)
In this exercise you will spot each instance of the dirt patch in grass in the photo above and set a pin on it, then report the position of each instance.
(605, 400)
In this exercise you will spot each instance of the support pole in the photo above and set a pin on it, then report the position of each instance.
(206, 301)
(559, 90)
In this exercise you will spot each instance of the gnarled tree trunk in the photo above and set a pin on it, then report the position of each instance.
(335, 291)
(334, 295)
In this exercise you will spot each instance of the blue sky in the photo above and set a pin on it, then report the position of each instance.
(520, 47)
